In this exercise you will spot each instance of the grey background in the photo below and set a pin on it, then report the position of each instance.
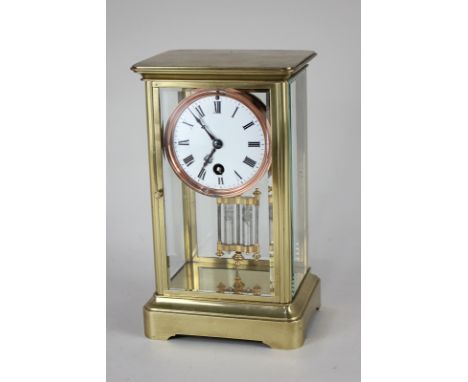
(139, 29)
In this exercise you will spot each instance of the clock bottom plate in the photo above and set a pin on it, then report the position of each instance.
(280, 326)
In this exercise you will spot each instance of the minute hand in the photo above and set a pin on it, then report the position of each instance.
(203, 126)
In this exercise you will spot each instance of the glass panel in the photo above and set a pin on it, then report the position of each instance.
(172, 193)
(217, 243)
(298, 112)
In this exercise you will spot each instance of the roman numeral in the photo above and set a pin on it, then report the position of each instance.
(249, 162)
(254, 144)
(220, 180)
(235, 111)
(248, 125)
(240, 177)
(188, 123)
(217, 107)
(185, 142)
(201, 174)
(189, 160)
(200, 111)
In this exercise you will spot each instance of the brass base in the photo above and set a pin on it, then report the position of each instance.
(280, 326)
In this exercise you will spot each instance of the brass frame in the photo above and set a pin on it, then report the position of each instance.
(280, 167)
(278, 320)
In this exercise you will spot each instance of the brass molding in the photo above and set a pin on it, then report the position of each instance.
(245, 65)
(280, 326)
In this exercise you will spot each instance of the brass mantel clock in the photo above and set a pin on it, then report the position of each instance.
(227, 135)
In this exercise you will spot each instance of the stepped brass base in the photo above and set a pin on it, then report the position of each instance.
(280, 326)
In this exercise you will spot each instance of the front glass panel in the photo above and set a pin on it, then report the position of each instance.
(217, 190)
(298, 120)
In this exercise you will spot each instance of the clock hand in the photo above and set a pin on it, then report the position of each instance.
(204, 127)
(201, 174)
(208, 158)
(196, 118)
(213, 138)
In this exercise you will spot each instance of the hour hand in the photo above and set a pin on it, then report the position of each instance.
(208, 158)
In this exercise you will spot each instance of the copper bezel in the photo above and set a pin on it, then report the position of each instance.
(252, 103)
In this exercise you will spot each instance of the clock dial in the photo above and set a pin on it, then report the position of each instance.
(218, 142)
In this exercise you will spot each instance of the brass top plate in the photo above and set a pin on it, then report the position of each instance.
(227, 64)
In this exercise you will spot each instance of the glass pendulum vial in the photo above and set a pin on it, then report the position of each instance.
(238, 226)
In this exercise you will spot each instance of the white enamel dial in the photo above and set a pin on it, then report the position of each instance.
(218, 142)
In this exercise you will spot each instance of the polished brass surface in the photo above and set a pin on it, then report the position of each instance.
(241, 200)
(190, 222)
(263, 265)
(280, 168)
(238, 248)
(266, 313)
(189, 211)
(238, 258)
(205, 295)
(155, 140)
(271, 65)
(280, 326)
(157, 186)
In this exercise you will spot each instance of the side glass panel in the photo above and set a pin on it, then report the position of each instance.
(298, 113)
(216, 244)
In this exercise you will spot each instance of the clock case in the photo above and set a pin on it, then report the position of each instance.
(269, 297)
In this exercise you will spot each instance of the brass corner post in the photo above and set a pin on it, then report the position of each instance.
(281, 168)
(156, 186)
